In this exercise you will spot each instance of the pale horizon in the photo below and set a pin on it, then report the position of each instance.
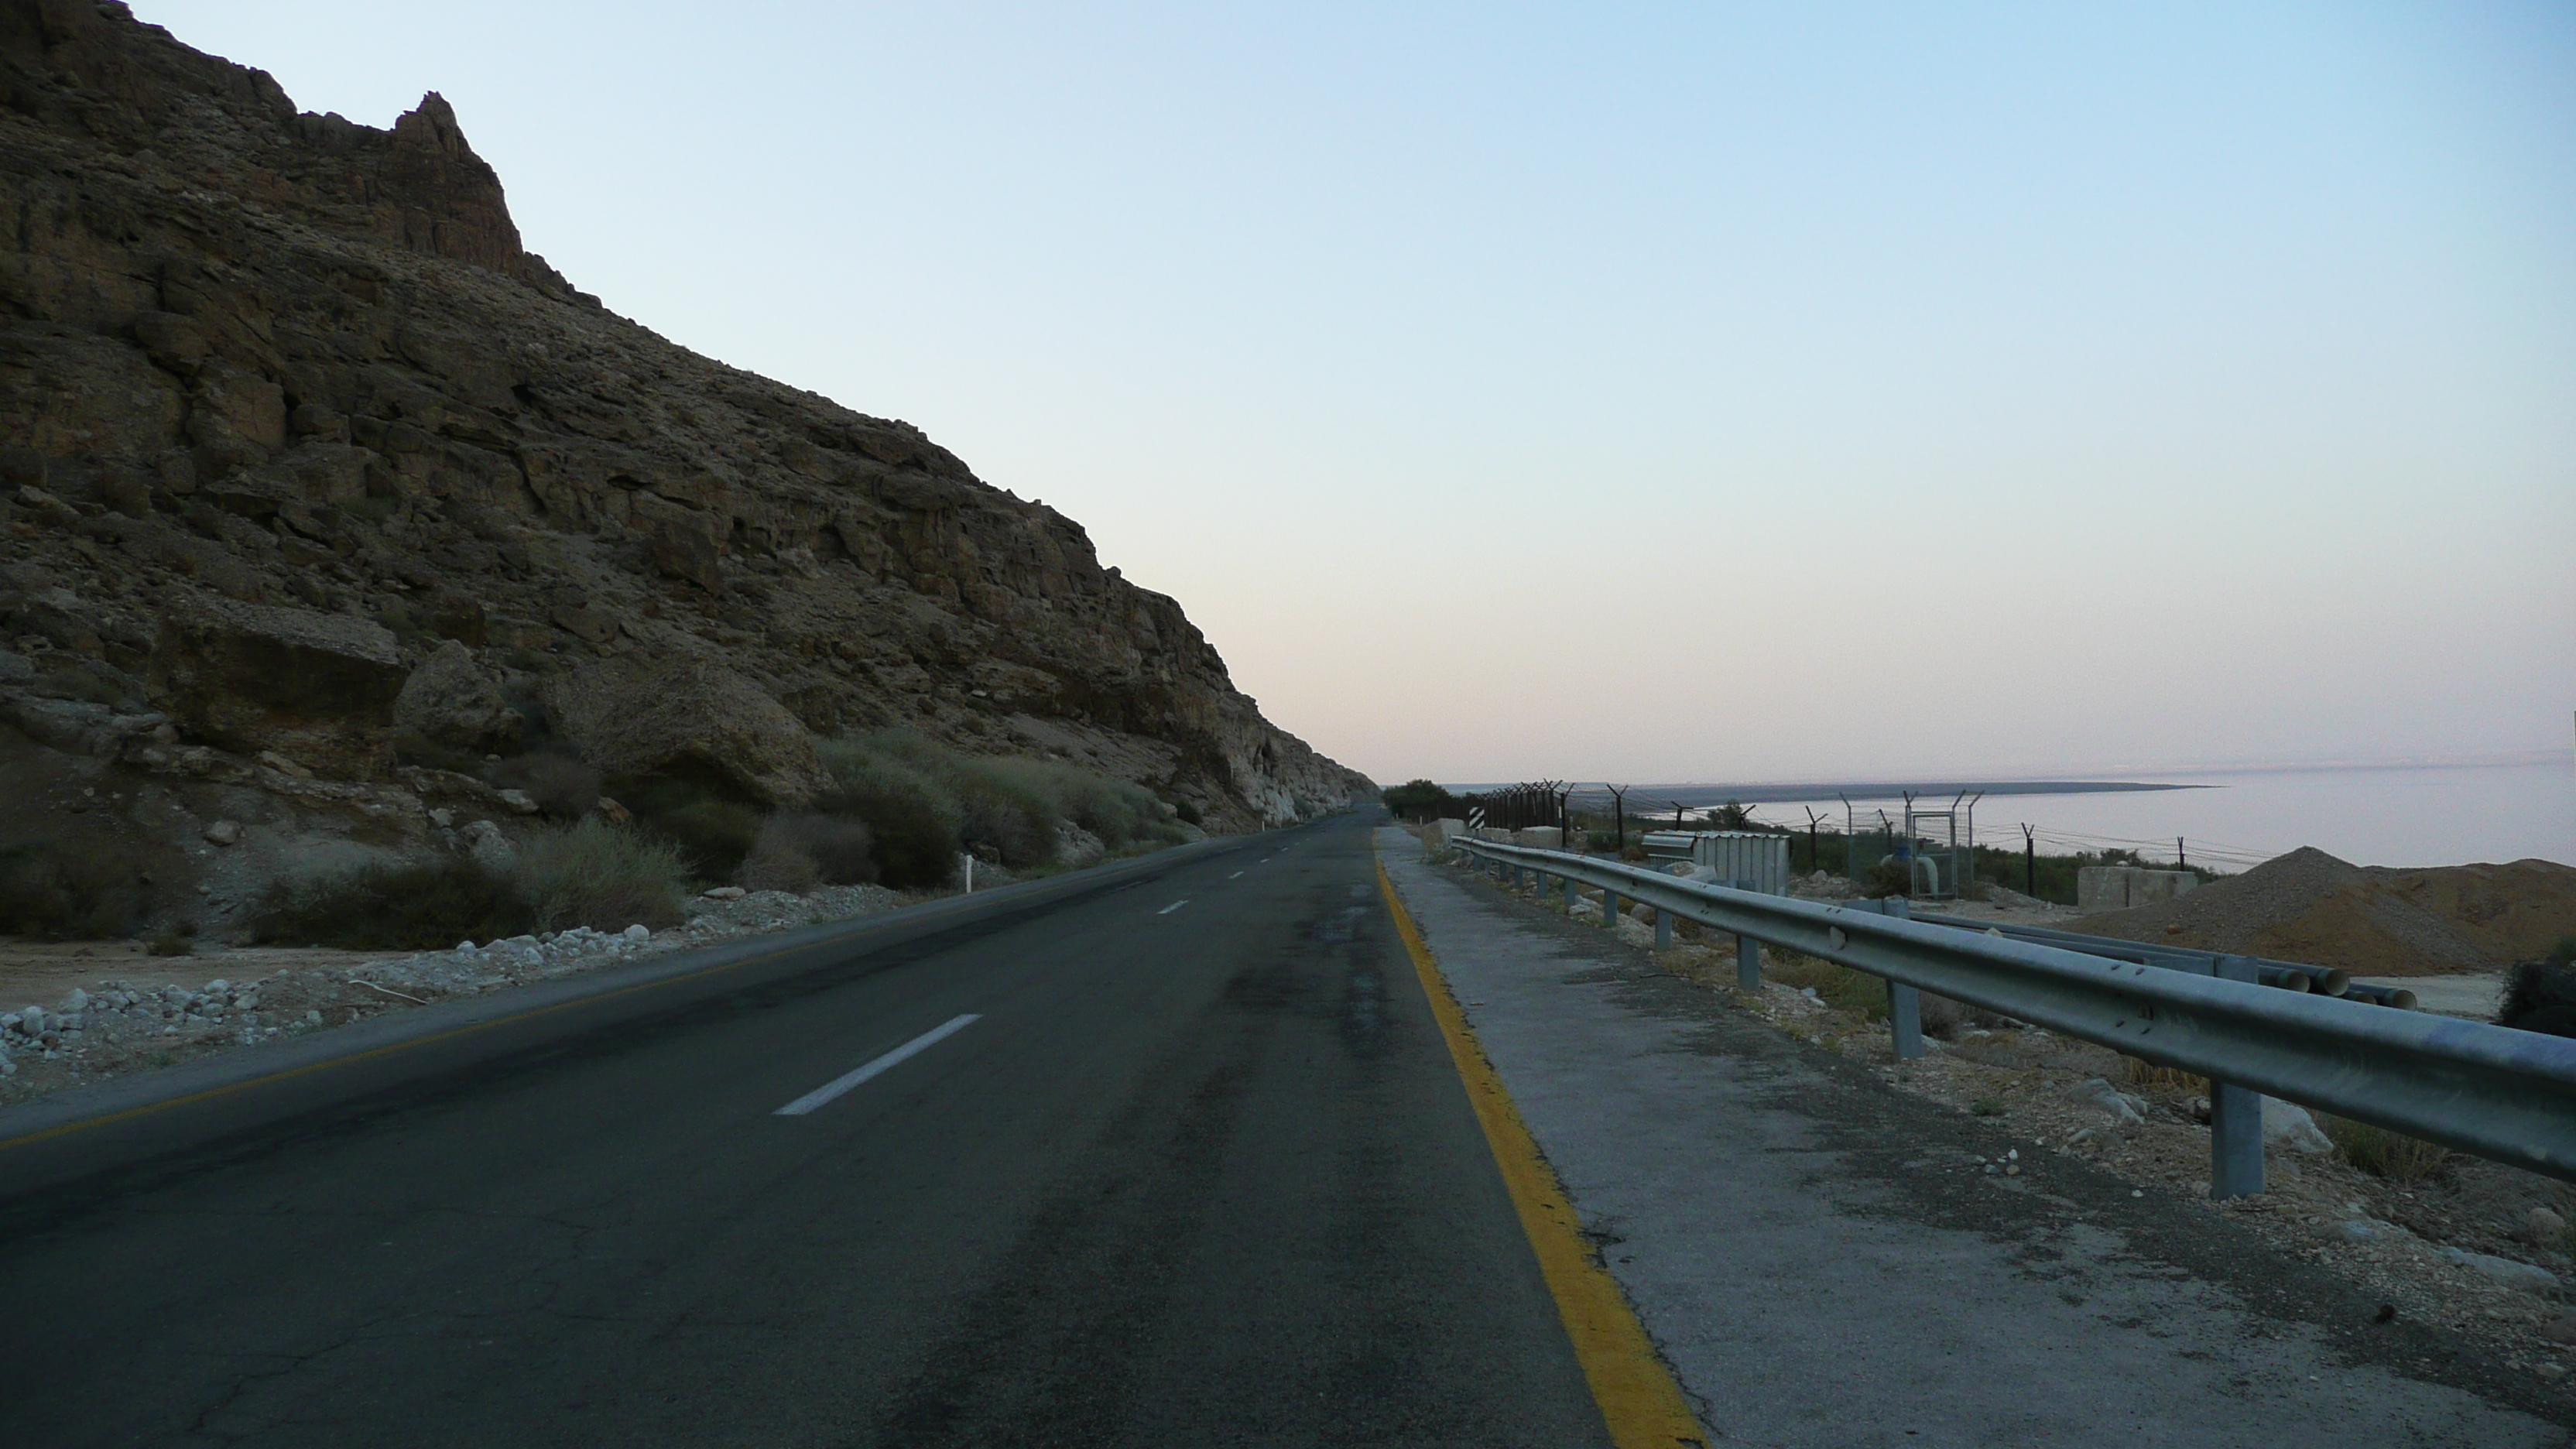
(1748, 393)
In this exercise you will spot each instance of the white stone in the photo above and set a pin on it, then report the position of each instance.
(489, 847)
(2524, 1276)
(2286, 1124)
(2098, 1092)
(637, 932)
(520, 801)
(224, 832)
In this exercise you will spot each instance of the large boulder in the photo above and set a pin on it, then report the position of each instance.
(450, 701)
(316, 688)
(634, 717)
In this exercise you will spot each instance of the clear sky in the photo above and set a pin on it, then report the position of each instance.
(1653, 391)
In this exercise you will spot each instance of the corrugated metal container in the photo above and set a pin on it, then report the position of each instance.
(1746, 860)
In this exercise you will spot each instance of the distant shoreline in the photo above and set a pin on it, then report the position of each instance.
(1929, 792)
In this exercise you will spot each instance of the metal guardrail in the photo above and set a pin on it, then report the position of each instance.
(2489, 1090)
(2289, 975)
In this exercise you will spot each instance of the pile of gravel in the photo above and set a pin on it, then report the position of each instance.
(2305, 906)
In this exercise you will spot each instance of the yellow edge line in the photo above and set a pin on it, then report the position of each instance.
(1639, 1400)
(210, 1093)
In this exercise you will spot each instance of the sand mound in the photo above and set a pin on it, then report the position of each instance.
(2371, 921)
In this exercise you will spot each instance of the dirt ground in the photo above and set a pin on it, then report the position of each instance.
(38, 973)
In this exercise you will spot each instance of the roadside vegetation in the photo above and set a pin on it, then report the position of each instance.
(902, 812)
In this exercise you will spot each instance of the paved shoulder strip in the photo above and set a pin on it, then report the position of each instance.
(895, 1058)
(1640, 1401)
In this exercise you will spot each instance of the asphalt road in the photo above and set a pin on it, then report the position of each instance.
(1199, 1171)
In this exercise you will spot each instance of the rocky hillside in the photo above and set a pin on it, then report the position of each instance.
(318, 484)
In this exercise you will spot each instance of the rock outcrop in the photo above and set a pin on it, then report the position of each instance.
(636, 717)
(318, 689)
(302, 444)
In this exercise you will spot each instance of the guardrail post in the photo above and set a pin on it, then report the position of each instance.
(1748, 963)
(1663, 929)
(2235, 1118)
(1609, 909)
(1573, 896)
(1904, 1003)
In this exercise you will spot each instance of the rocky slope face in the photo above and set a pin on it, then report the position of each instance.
(289, 414)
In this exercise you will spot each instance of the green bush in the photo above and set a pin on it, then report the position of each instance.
(65, 889)
(418, 907)
(604, 876)
(1423, 800)
(914, 820)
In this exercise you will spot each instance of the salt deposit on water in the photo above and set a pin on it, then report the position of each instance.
(2369, 816)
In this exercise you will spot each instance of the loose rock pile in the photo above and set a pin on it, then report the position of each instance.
(120, 1027)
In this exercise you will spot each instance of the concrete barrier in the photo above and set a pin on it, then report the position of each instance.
(2100, 888)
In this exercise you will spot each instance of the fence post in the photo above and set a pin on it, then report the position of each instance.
(1748, 963)
(1904, 1003)
(1663, 929)
(2235, 1118)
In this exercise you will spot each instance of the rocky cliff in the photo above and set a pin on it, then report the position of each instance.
(289, 413)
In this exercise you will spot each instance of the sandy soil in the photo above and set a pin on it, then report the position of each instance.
(38, 973)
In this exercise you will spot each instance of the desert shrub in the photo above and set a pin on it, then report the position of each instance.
(1887, 878)
(2562, 952)
(2540, 996)
(1002, 820)
(176, 939)
(711, 822)
(771, 868)
(842, 849)
(60, 889)
(1120, 812)
(2172, 1079)
(562, 786)
(913, 817)
(604, 876)
(925, 803)
(1841, 987)
(797, 852)
(2380, 1152)
(411, 907)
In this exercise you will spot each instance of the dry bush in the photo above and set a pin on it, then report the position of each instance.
(841, 848)
(2383, 1153)
(416, 907)
(63, 889)
(704, 815)
(600, 875)
(1841, 987)
(2171, 1079)
(778, 868)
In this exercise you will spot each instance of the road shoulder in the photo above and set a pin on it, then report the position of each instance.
(1824, 1259)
